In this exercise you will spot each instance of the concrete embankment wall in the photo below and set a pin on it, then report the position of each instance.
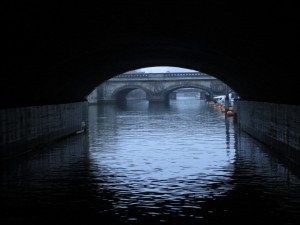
(24, 129)
(277, 125)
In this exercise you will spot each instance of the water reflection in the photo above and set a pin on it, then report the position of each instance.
(173, 149)
(162, 159)
(181, 163)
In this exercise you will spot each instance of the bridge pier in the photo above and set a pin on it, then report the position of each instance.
(173, 96)
(156, 98)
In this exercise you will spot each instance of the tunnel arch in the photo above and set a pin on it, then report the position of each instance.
(62, 62)
(139, 62)
(248, 85)
(56, 54)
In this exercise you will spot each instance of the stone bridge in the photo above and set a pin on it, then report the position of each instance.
(157, 86)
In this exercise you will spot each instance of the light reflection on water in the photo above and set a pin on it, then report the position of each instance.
(165, 153)
(181, 163)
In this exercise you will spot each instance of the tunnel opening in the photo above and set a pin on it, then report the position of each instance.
(158, 84)
(253, 116)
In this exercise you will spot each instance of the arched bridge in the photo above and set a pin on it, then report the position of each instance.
(157, 86)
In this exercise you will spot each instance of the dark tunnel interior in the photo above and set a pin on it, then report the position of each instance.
(59, 52)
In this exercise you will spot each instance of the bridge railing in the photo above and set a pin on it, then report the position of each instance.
(132, 75)
(162, 75)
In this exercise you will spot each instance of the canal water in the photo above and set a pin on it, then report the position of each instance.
(140, 163)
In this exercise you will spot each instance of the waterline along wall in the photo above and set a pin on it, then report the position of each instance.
(277, 125)
(24, 129)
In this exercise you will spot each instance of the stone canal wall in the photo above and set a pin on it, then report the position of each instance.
(23, 129)
(277, 125)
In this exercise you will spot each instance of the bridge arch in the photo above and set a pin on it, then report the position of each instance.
(120, 93)
(173, 88)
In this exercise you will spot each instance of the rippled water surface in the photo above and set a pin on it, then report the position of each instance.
(140, 163)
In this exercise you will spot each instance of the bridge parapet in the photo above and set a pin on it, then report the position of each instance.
(192, 75)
